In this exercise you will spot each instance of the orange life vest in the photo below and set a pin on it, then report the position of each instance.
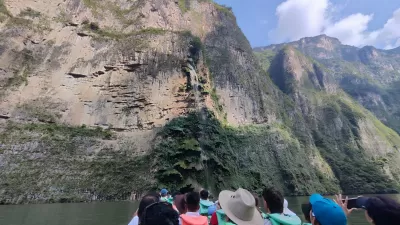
(194, 220)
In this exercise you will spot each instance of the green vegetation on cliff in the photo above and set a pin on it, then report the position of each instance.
(199, 150)
(52, 172)
(265, 58)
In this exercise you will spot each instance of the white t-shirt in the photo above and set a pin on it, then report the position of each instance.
(134, 221)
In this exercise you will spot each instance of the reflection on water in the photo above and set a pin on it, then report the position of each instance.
(109, 213)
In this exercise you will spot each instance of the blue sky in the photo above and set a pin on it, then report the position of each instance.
(354, 22)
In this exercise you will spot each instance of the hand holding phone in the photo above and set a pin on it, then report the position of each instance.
(351, 203)
(344, 203)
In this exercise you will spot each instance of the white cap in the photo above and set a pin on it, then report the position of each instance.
(286, 210)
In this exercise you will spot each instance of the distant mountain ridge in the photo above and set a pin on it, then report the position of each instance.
(369, 75)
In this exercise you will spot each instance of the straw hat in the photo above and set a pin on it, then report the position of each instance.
(240, 207)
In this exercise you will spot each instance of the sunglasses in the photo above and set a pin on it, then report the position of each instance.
(142, 222)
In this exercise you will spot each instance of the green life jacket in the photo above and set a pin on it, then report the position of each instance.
(170, 200)
(204, 204)
(280, 219)
(221, 216)
(307, 224)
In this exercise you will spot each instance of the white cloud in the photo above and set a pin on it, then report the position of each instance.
(299, 18)
(306, 18)
(389, 35)
(350, 30)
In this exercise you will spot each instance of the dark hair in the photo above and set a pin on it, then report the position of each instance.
(154, 193)
(383, 210)
(306, 208)
(204, 194)
(174, 194)
(180, 203)
(193, 201)
(160, 213)
(274, 199)
(146, 201)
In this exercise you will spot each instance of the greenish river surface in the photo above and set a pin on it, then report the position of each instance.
(105, 213)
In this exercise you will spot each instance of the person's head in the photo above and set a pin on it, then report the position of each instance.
(146, 201)
(204, 194)
(324, 211)
(160, 213)
(154, 193)
(193, 201)
(273, 200)
(164, 192)
(380, 210)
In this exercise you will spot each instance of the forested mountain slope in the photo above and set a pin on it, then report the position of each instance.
(369, 75)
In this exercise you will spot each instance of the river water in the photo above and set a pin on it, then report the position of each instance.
(107, 213)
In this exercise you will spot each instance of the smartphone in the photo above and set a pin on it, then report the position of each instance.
(351, 203)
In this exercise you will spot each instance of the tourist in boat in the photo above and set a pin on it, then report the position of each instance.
(192, 216)
(325, 211)
(204, 195)
(159, 213)
(240, 207)
(274, 204)
(146, 201)
(204, 202)
(164, 195)
(379, 210)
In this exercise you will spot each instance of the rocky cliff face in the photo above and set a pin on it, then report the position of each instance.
(367, 74)
(104, 100)
(335, 124)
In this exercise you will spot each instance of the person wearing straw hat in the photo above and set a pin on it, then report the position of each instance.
(240, 207)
